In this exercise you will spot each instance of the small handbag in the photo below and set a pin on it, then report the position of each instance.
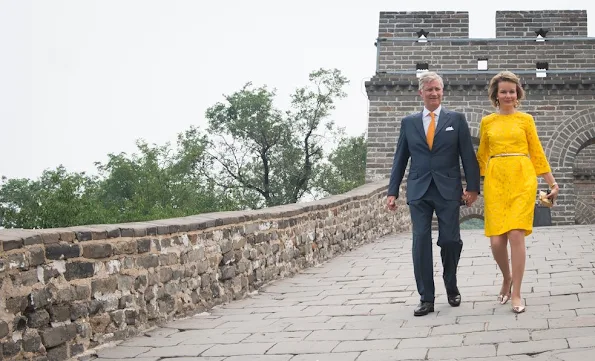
(544, 200)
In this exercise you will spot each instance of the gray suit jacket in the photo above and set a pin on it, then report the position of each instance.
(452, 140)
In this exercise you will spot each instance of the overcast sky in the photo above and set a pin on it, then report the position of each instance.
(80, 79)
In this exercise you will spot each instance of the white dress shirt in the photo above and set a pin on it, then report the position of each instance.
(427, 119)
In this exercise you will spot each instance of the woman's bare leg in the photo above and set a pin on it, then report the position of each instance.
(500, 252)
(517, 258)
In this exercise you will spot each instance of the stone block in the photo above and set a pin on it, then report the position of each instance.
(167, 304)
(24, 279)
(118, 317)
(99, 323)
(78, 310)
(38, 319)
(168, 259)
(3, 329)
(40, 298)
(11, 348)
(49, 272)
(130, 317)
(62, 251)
(202, 267)
(55, 336)
(31, 341)
(36, 256)
(104, 285)
(147, 261)
(140, 282)
(10, 244)
(125, 282)
(126, 301)
(165, 274)
(143, 245)
(81, 291)
(97, 250)
(59, 313)
(227, 273)
(125, 247)
(79, 270)
(59, 353)
(77, 348)
(16, 304)
(17, 261)
(19, 323)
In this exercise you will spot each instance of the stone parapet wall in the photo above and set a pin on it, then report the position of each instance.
(63, 291)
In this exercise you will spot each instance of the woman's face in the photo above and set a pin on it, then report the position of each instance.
(507, 96)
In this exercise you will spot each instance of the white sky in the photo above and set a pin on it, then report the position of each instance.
(80, 79)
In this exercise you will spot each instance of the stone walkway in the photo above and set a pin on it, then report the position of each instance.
(359, 307)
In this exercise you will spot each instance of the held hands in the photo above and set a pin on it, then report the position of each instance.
(469, 198)
(391, 203)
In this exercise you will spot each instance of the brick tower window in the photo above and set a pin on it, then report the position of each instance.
(421, 68)
(541, 68)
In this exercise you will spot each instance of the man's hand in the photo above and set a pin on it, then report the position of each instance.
(469, 198)
(391, 203)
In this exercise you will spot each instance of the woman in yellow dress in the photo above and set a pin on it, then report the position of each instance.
(510, 158)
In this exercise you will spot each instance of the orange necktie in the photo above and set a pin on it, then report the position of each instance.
(431, 130)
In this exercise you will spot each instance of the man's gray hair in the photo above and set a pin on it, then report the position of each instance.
(429, 76)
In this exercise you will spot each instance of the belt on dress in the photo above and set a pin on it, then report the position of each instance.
(509, 155)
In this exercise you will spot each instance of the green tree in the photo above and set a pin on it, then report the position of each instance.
(253, 155)
(58, 198)
(345, 168)
(267, 157)
(157, 182)
(160, 182)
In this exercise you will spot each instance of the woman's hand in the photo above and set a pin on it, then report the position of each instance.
(554, 193)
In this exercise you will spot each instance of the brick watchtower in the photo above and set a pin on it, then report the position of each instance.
(549, 50)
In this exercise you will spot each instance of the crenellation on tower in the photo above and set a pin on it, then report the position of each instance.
(439, 24)
(557, 23)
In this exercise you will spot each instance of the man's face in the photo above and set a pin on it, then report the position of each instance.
(431, 95)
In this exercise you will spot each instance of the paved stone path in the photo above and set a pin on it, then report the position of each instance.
(359, 307)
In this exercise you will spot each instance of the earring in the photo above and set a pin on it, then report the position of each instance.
(516, 104)
(497, 103)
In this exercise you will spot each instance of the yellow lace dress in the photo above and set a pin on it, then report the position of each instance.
(510, 183)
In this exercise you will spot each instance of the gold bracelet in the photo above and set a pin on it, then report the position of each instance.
(553, 185)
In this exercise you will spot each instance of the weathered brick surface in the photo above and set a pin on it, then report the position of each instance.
(561, 103)
(85, 286)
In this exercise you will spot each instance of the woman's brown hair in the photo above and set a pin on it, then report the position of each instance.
(500, 77)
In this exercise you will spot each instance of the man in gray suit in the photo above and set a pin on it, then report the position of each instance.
(435, 139)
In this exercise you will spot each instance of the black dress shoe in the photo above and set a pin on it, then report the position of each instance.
(423, 308)
(454, 300)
